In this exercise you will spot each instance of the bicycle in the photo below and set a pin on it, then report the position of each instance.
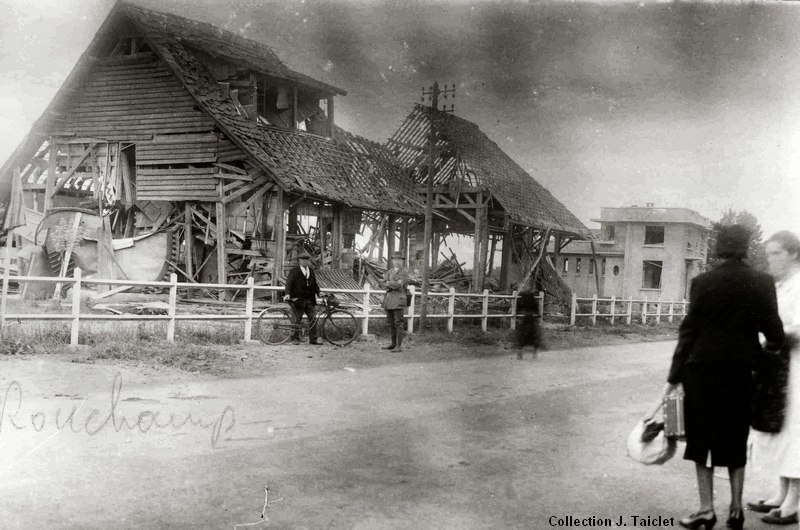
(277, 324)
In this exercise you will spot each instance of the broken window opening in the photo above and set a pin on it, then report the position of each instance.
(653, 235)
(651, 274)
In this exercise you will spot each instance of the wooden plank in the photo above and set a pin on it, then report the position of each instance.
(231, 186)
(113, 113)
(183, 171)
(238, 193)
(178, 178)
(233, 169)
(178, 97)
(139, 132)
(171, 196)
(227, 176)
(184, 139)
(127, 116)
(178, 160)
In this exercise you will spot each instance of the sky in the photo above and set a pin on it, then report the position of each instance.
(680, 104)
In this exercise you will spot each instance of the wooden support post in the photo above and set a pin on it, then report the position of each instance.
(436, 242)
(391, 234)
(50, 183)
(630, 311)
(573, 309)
(541, 304)
(410, 326)
(477, 253)
(188, 239)
(671, 311)
(365, 310)
(76, 308)
(337, 245)
(505, 257)
(514, 300)
(173, 302)
(381, 239)
(485, 311)
(594, 310)
(280, 239)
(613, 309)
(484, 214)
(492, 250)
(451, 309)
(222, 255)
(294, 108)
(404, 241)
(248, 309)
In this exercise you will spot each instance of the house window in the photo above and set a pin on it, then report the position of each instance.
(651, 274)
(577, 265)
(565, 265)
(591, 266)
(609, 231)
(603, 267)
(653, 235)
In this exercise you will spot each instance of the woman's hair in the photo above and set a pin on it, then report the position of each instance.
(733, 242)
(788, 241)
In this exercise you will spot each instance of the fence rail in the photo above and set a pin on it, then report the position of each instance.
(363, 310)
(645, 309)
(478, 306)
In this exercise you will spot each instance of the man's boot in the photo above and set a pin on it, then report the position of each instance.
(399, 346)
(393, 345)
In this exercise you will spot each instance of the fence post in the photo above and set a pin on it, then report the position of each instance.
(573, 309)
(613, 308)
(173, 299)
(451, 309)
(485, 310)
(671, 311)
(513, 324)
(76, 308)
(658, 312)
(644, 312)
(541, 304)
(365, 311)
(248, 308)
(411, 310)
(630, 311)
(683, 306)
(594, 310)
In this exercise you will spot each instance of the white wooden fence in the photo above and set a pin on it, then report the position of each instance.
(614, 309)
(75, 317)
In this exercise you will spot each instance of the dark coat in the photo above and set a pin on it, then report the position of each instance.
(297, 286)
(728, 307)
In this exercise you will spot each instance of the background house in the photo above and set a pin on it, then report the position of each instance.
(642, 252)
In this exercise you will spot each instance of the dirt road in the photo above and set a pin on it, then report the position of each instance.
(471, 443)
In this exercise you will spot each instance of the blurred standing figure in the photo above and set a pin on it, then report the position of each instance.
(302, 290)
(395, 281)
(717, 347)
(783, 449)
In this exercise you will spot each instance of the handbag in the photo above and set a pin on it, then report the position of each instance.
(770, 381)
(674, 423)
(648, 444)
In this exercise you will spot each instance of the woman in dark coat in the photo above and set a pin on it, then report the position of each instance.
(717, 347)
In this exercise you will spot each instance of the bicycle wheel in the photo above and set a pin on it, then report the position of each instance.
(340, 328)
(275, 325)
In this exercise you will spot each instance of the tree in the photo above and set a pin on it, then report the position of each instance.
(756, 255)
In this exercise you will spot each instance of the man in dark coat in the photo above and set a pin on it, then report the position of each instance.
(718, 345)
(395, 281)
(302, 290)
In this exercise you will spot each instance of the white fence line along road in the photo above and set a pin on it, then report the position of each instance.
(645, 309)
(363, 311)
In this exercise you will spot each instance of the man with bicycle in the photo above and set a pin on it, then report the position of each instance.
(302, 290)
